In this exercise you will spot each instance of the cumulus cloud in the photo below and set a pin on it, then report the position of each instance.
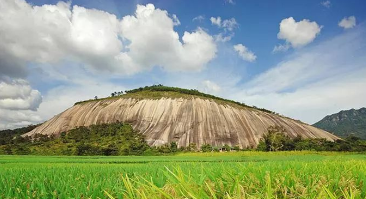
(18, 103)
(18, 95)
(326, 4)
(160, 45)
(14, 119)
(52, 33)
(298, 34)
(12, 66)
(245, 53)
(348, 22)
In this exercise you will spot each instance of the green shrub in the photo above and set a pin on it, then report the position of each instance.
(206, 148)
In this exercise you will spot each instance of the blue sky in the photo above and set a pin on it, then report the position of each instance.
(56, 53)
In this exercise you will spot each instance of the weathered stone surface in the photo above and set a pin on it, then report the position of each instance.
(182, 120)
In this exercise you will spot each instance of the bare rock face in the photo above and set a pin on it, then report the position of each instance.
(185, 121)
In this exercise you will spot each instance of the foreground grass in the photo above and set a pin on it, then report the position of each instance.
(195, 175)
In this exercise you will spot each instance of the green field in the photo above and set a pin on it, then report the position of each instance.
(194, 175)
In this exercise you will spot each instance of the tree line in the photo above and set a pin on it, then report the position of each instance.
(103, 139)
(120, 139)
(195, 92)
(276, 139)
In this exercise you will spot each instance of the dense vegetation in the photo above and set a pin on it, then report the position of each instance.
(345, 123)
(241, 174)
(104, 139)
(120, 139)
(161, 88)
(6, 136)
(277, 140)
(190, 175)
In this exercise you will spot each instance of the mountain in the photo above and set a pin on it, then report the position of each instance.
(344, 123)
(166, 114)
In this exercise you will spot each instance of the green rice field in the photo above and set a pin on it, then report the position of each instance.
(186, 175)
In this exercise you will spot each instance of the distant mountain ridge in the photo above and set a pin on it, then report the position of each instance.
(345, 123)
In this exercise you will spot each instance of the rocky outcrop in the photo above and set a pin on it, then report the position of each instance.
(183, 120)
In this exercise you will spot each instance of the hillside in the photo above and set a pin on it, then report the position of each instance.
(345, 123)
(165, 114)
(7, 135)
(104, 139)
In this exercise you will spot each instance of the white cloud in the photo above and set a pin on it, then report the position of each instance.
(281, 48)
(18, 95)
(232, 2)
(245, 53)
(18, 103)
(49, 33)
(30, 102)
(216, 21)
(221, 37)
(160, 45)
(313, 82)
(326, 4)
(176, 21)
(210, 87)
(52, 33)
(348, 22)
(298, 34)
(10, 119)
(227, 24)
(199, 18)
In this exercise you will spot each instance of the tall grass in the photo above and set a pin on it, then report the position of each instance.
(198, 175)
